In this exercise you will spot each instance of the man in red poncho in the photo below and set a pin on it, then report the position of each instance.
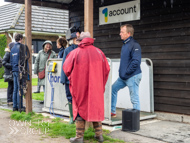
(87, 70)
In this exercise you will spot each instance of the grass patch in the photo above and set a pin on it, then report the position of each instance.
(22, 116)
(47, 117)
(8, 110)
(57, 127)
(5, 84)
(34, 81)
(57, 120)
(38, 96)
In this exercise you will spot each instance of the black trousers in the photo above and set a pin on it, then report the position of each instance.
(10, 91)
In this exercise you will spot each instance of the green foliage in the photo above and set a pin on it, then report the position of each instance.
(57, 129)
(5, 84)
(47, 117)
(37, 117)
(56, 119)
(34, 81)
(8, 110)
(3, 44)
(21, 116)
(38, 96)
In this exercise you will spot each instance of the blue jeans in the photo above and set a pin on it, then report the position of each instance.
(133, 85)
(16, 98)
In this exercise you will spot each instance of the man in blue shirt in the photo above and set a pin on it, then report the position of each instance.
(19, 68)
(129, 70)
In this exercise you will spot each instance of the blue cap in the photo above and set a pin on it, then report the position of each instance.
(73, 35)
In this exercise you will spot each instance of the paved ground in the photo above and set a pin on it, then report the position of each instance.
(157, 130)
(151, 131)
(13, 132)
(17, 132)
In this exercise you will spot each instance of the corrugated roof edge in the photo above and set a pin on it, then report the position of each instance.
(33, 32)
(17, 17)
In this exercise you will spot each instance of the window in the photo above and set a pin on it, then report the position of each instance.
(37, 45)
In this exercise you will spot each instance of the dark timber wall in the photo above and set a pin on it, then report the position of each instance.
(164, 35)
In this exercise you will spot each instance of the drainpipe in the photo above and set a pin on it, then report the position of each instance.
(10, 37)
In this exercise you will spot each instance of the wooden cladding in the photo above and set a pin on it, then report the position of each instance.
(164, 35)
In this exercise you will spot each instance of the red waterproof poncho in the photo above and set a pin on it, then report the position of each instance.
(87, 70)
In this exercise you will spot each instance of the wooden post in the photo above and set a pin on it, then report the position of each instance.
(88, 26)
(28, 33)
(88, 16)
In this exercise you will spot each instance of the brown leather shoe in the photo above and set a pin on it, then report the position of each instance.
(99, 138)
(98, 131)
(76, 140)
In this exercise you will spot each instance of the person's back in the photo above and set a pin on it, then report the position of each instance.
(87, 70)
(90, 62)
(14, 57)
(89, 75)
(64, 79)
(17, 70)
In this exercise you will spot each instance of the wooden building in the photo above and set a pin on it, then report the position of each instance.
(163, 32)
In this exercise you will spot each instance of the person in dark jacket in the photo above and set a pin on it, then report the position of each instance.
(61, 44)
(0, 62)
(19, 64)
(64, 79)
(8, 72)
(129, 70)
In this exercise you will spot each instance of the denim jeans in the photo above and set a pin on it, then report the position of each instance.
(133, 85)
(16, 98)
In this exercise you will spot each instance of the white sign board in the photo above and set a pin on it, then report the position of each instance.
(58, 105)
(122, 12)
